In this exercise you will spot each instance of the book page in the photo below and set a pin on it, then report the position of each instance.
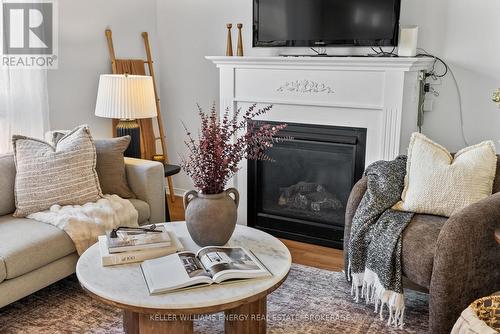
(192, 265)
(174, 272)
(230, 263)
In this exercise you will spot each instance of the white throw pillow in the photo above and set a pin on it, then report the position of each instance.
(438, 183)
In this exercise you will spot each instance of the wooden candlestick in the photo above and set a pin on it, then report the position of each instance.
(240, 41)
(229, 49)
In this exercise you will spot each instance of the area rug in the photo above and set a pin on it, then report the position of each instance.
(310, 301)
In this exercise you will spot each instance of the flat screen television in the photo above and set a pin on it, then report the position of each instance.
(325, 23)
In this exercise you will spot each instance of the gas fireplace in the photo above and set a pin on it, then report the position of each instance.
(302, 194)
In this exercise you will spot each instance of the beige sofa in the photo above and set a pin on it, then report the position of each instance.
(34, 255)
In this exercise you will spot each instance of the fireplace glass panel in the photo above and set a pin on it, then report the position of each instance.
(308, 181)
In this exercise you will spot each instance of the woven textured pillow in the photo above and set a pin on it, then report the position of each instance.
(111, 166)
(438, 183)
(48, 175)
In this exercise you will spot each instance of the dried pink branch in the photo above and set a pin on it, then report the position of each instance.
(214, 157)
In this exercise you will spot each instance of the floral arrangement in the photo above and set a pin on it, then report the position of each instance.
(214, 157)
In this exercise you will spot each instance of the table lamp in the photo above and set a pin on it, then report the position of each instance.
(127, 98)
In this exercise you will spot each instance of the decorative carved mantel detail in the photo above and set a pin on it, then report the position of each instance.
(305, 86)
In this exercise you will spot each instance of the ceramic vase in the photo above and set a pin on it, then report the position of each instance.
(211, 219)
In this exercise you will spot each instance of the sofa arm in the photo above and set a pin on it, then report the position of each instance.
(466, 262)
(355, 197)
(147, 181)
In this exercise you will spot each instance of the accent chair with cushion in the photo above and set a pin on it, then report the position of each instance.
(456, 260)
(34, 255)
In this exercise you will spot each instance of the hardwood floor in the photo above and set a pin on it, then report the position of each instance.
(315, 256)
(302, 253)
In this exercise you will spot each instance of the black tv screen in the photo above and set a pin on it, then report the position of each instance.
(325, 22)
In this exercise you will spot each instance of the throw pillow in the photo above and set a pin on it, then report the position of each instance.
(438, 183)
(48, 175)
(110, 163)
(111, 166)
(55, 135)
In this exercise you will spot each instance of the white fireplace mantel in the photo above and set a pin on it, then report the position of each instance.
(379, 94)
(352, 63)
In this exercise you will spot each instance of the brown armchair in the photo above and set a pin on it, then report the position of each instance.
(455, 260)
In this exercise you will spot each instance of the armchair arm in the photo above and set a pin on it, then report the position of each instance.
(147, 181)
(355, 197)
(466, 262)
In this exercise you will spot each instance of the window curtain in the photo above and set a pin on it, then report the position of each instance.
(24, 105)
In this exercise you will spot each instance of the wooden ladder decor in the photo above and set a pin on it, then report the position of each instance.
(136, 67)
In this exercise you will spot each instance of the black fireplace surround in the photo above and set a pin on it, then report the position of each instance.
(302, 194)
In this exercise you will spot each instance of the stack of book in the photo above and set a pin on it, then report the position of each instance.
(128, 245)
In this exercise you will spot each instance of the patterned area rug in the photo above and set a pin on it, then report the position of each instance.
(310, 301)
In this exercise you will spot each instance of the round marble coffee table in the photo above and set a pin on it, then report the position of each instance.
(243, 303)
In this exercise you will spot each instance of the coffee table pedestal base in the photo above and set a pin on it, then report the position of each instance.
(248, 318)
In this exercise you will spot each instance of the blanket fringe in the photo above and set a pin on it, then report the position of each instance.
(374, 292)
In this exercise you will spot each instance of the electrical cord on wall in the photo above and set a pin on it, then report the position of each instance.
(436, 59)
(461, 114)
(447, 70)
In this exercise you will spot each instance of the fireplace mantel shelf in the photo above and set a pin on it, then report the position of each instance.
(353, 63)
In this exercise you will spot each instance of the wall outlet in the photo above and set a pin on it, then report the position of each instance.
(428, 105)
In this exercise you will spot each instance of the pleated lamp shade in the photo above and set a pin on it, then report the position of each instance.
(125, 97)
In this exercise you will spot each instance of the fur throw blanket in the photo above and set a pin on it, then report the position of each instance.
(374, 254)
(84, 223)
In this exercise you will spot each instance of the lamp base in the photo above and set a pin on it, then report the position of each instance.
(130, 127)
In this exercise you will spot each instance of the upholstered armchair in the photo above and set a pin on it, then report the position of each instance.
(455, 260)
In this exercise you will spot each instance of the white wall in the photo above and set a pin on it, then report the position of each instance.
(83, 55)
(190, 30)
(462, 32)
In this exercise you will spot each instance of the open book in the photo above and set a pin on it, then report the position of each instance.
(209, 265)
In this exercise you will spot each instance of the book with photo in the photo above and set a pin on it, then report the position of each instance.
(134, 239)
(209, 265)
